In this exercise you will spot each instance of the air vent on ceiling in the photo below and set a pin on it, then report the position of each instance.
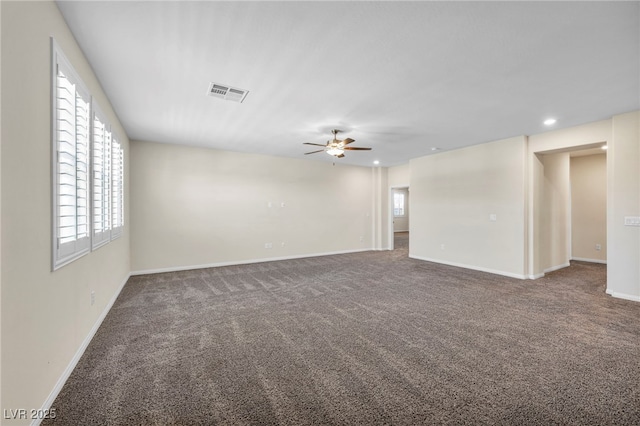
(227, 93)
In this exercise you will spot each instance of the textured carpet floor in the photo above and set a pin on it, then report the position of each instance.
(365, 338)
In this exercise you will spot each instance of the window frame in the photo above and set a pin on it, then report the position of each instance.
(73, 168)
(77, 248)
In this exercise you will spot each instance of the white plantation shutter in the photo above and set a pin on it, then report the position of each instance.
(101, 171)
(71, 117)
(117, 188)
(88, 168)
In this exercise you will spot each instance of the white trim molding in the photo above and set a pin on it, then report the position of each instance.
(632, 297)
(475, 268)
(582, 259)
(244, 262)
(555, 268)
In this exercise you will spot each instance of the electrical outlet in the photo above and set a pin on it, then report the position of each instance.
(493, 217)
(598, 247)
(441, 246)
(632, 221)
(282, 244)
(268, 245)
(93, 297)
(361, 239)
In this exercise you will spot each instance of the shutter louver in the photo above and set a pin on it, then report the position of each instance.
(101, 161)
(117, 201)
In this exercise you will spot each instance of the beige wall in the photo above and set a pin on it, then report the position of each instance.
(554, 210)
(589, 207)
(571, 137)
(399, 176)
(46, 316)
(200, 207)
(194, 206)
(382, 217)
(623, 190)
(453, 195)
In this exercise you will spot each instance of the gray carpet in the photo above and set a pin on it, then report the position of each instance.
(366, 338)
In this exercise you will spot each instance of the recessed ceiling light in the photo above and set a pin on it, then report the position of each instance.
(603, 147)
(376, 162)
(550, 121)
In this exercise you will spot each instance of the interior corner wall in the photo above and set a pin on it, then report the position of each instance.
(196, 207)
(535, 238)
(381, 214)
(555, 211)
(454, 194)
(589, 208)
(623, 190)
(47, 316)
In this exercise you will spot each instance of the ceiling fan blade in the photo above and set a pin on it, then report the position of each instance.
(309, 143)
(313, 152)
(340, 156)
(347, 141)
(355, 148)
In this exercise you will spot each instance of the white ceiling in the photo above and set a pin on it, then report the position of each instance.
(403, 77)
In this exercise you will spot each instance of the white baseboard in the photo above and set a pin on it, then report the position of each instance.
(631, 297)
(582, 259)
(564, 265)
(74, 361)
(475, 268)
(555, 268)
(244, 262)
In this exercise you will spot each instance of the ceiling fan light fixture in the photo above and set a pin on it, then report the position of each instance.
(336, 147)
(335, 151)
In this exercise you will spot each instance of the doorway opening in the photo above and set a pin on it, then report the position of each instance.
(571, 200)
(399, 217)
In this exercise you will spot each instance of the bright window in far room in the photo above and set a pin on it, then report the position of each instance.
(398, 204)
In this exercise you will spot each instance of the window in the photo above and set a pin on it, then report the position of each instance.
(398, 204)
(101, 172)
(71, 118)
(117, 188)
(88, 168)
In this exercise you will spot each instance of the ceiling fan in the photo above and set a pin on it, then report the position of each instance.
(336, 147)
